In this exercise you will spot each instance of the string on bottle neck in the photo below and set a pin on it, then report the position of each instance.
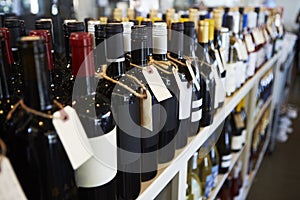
(3, 150)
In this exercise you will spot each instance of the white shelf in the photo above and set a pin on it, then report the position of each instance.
(248, 184)
(223, 177)
(153, 187)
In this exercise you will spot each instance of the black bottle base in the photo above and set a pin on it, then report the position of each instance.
(147, 176)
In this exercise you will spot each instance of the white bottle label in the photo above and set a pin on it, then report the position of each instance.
(185, 97)
(219, 86)
(237, 143)
(72, 136)
(102, 167)
(156, 84)
(231, 78)
(251, 64)
(10, 188)
(196, 116)
(249, 43)
(225, 164)
(208, 184)
(215, 172)
(189, 65)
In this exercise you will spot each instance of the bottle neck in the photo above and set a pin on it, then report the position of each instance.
(36, 78)
(176, 44)
(116, 69)
(189, 42)
(139, 52)
(5, 76)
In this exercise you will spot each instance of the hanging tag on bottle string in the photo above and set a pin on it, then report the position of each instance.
(10, 187)
(219, 61)
(73, 137)
(189, 66)
(185, 97)
(146, 106)
(156, 84)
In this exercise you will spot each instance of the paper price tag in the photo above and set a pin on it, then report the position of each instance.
(146, 112)
(219, 61)
(73, 137)
(237, 46)
(249, 43)
(185, 97)
(10, 188)
(270, 30)
(189, 65)
(156, 84)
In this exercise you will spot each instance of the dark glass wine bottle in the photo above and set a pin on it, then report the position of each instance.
(7, 97)
(46, 24)
(34, 148)
(127, 43)
(126, 112)
(189, 51)
(96, 177)
(224, 147)
(149, 139)
(148, 24)
(100, 50)
(215, 161)
(184, 114)
(208, 81)
(167, 134)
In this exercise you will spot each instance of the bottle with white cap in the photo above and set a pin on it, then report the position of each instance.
(168, 132)
(91, 29)
(127, 43)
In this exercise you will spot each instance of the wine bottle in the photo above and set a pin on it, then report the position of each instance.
(126, 111)
(45, 35)
(7, 97)
(208, 81)
(215, 161)
(205, 175)
(8, 61)
(149, 139)
(232, 59)
(46, 24)
(34, 147)
(96, 177)
(216, 68)
(86, 23)
(225, 192)
(91, 29)
(185, 96)
(127, 43)
(224, 147)
(189, 51)
(100, 51)
(167, 134)
(148, 24)
(130, 14)
(196, 187)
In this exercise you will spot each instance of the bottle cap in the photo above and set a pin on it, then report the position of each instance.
(100, 30)
(12, 23)
(229, 22)
(159, 28)
(177, 26)
(91, 25)
(147, 22)
(211, 29)
(203, 31)
(75, 26)
(82, 56)
(139, 44)
(42, 24)
(113, 29)
(127, 26)
(6, 36)
(134, 21)
(44, 34)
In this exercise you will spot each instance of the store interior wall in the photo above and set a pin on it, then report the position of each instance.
(291, 9)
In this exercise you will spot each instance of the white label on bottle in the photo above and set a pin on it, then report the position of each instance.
(237, 142)
(238, 72)
(270, 30)
(72, 136)
(102, 167)
(251, 64)
(244, 134)
(225, 164)
(197, 104)
(197, 115)
(156, 84)
(146, 112)
(208, 184)
(219, 86)
(237, 46)
(189, 66)
(10, 188)
(219, 61)
(228, 157)
(244, 50)
(249, 43)
(231, 78)
(185, 97)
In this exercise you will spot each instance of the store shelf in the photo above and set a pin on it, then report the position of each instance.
(166, 173)
(247, 184)
(223, 177)
(262, 111)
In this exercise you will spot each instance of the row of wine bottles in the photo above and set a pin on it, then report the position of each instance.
(152, 91)
(203, 169)
(232, 187)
